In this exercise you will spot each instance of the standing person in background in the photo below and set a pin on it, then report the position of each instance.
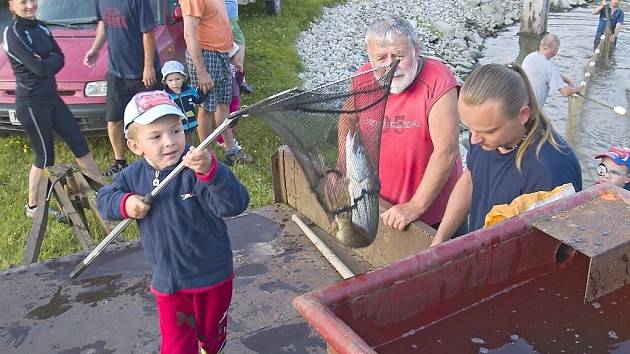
(35, 58)
(239, 38)
(209, 39)
(127, 26)
(419, 160)
(616, 21)
(513, 148)
(543, 74)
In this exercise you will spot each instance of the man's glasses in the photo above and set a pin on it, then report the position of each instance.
(602, 171)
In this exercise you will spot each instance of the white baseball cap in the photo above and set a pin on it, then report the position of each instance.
(172, 66)
(145, 107)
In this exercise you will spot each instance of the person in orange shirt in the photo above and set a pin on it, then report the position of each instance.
(209, 39)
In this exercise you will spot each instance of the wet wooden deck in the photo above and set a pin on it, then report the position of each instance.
(109, 309)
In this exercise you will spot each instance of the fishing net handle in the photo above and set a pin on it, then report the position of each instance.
(151, 196)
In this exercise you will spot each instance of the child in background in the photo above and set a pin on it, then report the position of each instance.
(235, 103)
(183, 233)
(184, 95)
(615, 167)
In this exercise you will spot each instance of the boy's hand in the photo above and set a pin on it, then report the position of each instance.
(136, 208)
(198, 161)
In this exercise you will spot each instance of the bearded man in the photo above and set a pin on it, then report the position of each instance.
(419, 161)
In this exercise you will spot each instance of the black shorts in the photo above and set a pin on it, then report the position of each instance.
(40, 118)
(120, 91)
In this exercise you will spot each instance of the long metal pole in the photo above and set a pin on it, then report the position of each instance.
(149, 197)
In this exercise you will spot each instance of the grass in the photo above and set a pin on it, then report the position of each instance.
(272, 65)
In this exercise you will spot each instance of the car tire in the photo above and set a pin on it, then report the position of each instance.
(273, 6)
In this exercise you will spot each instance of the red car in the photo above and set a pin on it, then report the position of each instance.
(73, 24)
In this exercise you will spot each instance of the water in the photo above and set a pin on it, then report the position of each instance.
(544, 315)
(600, 127)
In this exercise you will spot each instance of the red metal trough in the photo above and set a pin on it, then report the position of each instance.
(444, 299)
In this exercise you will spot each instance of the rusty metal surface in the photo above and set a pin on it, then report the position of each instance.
(291, 187)
(592, 228)
(109, 309)
(599, 229)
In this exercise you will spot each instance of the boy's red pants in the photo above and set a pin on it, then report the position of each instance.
(191, 318)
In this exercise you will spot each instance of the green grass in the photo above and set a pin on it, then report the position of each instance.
(272, 65)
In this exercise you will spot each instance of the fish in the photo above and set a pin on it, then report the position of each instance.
(357, 227)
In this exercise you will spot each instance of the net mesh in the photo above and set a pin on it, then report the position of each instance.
(334, 132)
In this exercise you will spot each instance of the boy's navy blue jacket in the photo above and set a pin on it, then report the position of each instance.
(183, 236)
(186, 100)
(35, 57)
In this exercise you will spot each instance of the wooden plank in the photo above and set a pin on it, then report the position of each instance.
(390, 245)
(90, 196)
(278, 177)
(40, 223)
(77, 224)
(534, 16)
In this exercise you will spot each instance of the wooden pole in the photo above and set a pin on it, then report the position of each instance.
(534, 16)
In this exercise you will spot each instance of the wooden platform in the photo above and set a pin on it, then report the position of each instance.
(109, 309)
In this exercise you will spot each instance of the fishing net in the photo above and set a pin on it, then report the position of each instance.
(334, 132)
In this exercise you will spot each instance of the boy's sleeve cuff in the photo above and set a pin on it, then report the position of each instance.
(123, 200)
(213, 169)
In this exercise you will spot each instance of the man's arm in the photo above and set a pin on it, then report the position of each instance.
(599, 8)
(444, 130)
(99, 42)
(456, 210)
(191, 24)
(568, 90)
(148, 43)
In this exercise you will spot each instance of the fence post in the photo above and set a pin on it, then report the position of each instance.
(534, 16)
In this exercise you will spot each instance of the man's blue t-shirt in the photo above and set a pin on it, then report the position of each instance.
(615, 17)
(125, 22)
(627, 187)
(496, 180)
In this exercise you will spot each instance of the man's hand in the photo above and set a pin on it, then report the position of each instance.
(135, 207)
(148, 76)
(90, 57)
(401, 215)
(205, 81)
(612, 38)
(198, 161)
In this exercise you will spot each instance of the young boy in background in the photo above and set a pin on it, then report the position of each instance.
(184, 95)
(615, 166)
(235, 103)
(183, 234)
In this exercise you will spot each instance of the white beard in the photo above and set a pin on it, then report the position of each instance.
(399, 84)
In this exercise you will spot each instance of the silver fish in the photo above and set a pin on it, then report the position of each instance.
(358, 228)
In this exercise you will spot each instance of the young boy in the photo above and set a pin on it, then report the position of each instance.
(615, 166)
(183, 234)
(184, 95)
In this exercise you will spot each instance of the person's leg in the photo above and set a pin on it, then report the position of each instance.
(34, 179)
(177, 324)
(115, 109)
(117, 139)
(65, 125)
(211, 315)
(37, 123)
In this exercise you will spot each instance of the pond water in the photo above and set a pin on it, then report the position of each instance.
(600, 127)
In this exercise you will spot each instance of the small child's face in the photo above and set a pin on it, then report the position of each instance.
(161, 142)
(175, 81)
(611, 172)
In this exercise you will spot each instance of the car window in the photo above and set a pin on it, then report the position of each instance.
(171, 5)
(69, 11)
(158, 9)
(81, 11)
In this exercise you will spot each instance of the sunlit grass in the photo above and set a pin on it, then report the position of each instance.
(272, 66)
